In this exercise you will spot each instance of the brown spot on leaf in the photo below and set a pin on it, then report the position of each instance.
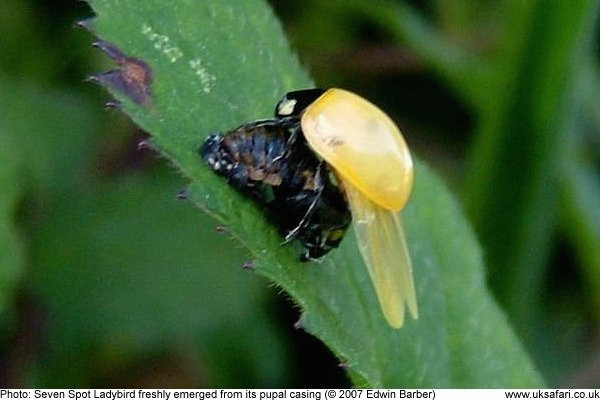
(133, 77)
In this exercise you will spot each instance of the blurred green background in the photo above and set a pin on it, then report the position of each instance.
(107, 280)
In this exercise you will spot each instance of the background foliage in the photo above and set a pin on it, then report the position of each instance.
(103, 273)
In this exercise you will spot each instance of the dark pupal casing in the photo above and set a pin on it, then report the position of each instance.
(269, 161)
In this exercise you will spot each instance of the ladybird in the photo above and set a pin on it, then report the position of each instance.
(371, 160)
(263, 160)
(329, 157)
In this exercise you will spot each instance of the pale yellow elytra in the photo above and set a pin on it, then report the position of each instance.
(373, 164)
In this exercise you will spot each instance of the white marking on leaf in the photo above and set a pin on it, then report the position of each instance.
(206, 78)
(162, 43)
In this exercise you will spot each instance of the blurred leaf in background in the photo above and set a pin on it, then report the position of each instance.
(106, 280)
(117, 285)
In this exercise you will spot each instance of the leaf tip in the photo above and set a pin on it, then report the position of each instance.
(145, 144)
(221, 228)
(183, 195)
(112, 105)
(344, 365)
(87, 24)
(249, 265)
(299, 324)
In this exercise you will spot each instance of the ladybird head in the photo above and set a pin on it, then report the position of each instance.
(293, 103)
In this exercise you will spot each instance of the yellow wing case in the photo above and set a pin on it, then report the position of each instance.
(381, 241)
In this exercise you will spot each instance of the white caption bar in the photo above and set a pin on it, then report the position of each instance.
(320, 394)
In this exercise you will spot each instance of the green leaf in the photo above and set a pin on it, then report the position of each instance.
(215, 65)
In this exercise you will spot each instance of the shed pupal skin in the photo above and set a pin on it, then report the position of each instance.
(270, 162)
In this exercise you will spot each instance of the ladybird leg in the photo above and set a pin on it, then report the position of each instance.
(319, 178)
(292, 124)
(314, 254)
(304, 257)
(294, 129)
(291, 235)
(319, 185)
